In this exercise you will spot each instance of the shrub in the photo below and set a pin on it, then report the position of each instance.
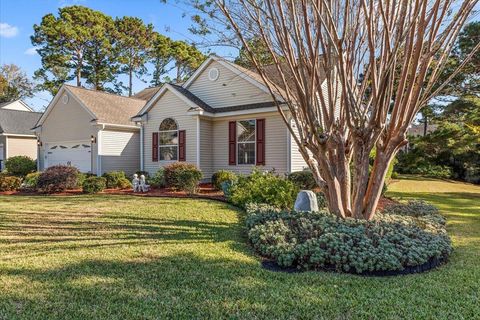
(321, 200)
(20, 166)
(124, 184)
(303, 179)
(267, 188)
(182, 176)
(158, 179)
(94, 185)
(82, 177)
(221, 176)
(58, 179)
(415, 208)
(114, 178)
(322, 241)
(9, 183)
(31, 180)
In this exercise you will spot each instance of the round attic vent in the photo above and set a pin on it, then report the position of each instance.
(213, 74)
(65, 99)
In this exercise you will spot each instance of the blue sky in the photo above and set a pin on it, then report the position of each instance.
(17, 18)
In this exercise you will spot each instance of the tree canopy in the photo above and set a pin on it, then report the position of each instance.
(14, 84)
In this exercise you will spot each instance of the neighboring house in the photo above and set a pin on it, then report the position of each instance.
(16, 136)
(222, 117)
(90, 130)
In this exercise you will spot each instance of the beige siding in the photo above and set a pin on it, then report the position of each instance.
(276, 153)
(68, 123)
(206, 148)
(22, 147)
(170, 106)
(297, 163)
(229, 89)
(120, 151)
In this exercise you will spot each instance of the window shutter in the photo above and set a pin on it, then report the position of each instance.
(155, 146)
(260, 142)
(232, 143)
(181, 145)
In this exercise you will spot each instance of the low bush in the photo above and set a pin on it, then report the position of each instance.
(124, 183)
(262, 187)
(9, 183)
(58, 179)
(182, 176)
(221, 176)
(31, 180)
(414, 208)
(303, 179)
(93, 185)
(322, 241)
(81, 177)
(114, 179)
(20, 166)
(158, 179)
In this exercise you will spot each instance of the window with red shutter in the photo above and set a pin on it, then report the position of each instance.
(260, 142)
(182, 145)
(155, 146)
(232, 143)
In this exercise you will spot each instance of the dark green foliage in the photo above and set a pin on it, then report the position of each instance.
(320, 240)
(263, 187)
(9, 183)
(321, 200)
(158, 179)
(414, 208)
(182, 176)
(221, 176)
(58, 179)
(31, 180)
(93, 185)
(303, 179)
(114, 179)
(20, 166)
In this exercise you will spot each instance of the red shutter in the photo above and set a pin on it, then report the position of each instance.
(155, 146)
(260, 142)
(181, 146)
(232, 143)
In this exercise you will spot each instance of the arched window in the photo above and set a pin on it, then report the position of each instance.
(168, 140)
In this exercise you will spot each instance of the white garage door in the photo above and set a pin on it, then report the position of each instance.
(77, 154)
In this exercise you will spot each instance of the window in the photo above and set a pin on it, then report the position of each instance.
(168, 140)
(246, 142)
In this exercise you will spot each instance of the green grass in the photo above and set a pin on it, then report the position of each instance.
(120, 257)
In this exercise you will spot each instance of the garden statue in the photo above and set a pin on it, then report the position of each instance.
(306, 201)
(136, 183)
(144, 187)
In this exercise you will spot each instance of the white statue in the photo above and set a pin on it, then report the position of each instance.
(144, 187)
(136, 183)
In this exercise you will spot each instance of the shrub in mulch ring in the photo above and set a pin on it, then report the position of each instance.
(390, 244)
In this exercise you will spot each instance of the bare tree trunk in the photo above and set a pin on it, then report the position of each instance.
(130, 82)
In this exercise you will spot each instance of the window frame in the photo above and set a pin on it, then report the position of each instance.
(160, 145)
(254, 142)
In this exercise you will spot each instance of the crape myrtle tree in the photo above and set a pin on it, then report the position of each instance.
(352, 78)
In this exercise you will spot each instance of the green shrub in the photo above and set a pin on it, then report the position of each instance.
(82, 177)
(303, 179)
(259, 187)
(158, 179)
(114, 179)
(321, 200)
(94, 185)
(414, 208)
(58, 179)
(221, 176)
(9, 183)
(124, 184)
(182, 176)
(320, 240)
(31, 180)
(20, 166)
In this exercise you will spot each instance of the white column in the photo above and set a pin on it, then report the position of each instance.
(99, 152)
(198, 142)
(142, 160)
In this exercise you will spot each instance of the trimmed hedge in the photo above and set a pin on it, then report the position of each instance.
(20, 166)
(221, 176)
(9, 183)
(182, 176)
(93, 185)
(320, 240)
(58, 179)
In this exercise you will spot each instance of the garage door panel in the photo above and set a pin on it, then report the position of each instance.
(77, 154)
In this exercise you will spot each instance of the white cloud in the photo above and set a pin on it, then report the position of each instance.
(7, 31)
(31, 51)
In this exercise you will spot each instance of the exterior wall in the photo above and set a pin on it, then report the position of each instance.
(297, 163)
(67, 123)
(16, 105)
(206, 148)
(120, 151)
(20, 146)
(3, 150)
(170, 106)
(276, 147)
(228, 90)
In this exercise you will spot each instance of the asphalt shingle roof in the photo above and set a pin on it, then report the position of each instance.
(147, 94)
(18, 122)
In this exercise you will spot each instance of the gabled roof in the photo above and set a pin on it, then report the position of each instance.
(147, 94)
(6, 104)
(18, 122)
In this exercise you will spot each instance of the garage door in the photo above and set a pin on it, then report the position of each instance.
(77, 154)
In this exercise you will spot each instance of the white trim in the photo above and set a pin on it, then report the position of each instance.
(29, 109)
(235, 113)
(18, 135)
(289, 149)
(254, 142)
(142, 160)
(115, 126)
(6, 149)
(99, 152)
(198, 142)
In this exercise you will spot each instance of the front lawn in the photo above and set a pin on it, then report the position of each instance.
(127, 257)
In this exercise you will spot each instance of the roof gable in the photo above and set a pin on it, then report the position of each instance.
(17, 121)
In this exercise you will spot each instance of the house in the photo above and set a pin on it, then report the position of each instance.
(91, 130)
(222, 117)
(16, 138)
